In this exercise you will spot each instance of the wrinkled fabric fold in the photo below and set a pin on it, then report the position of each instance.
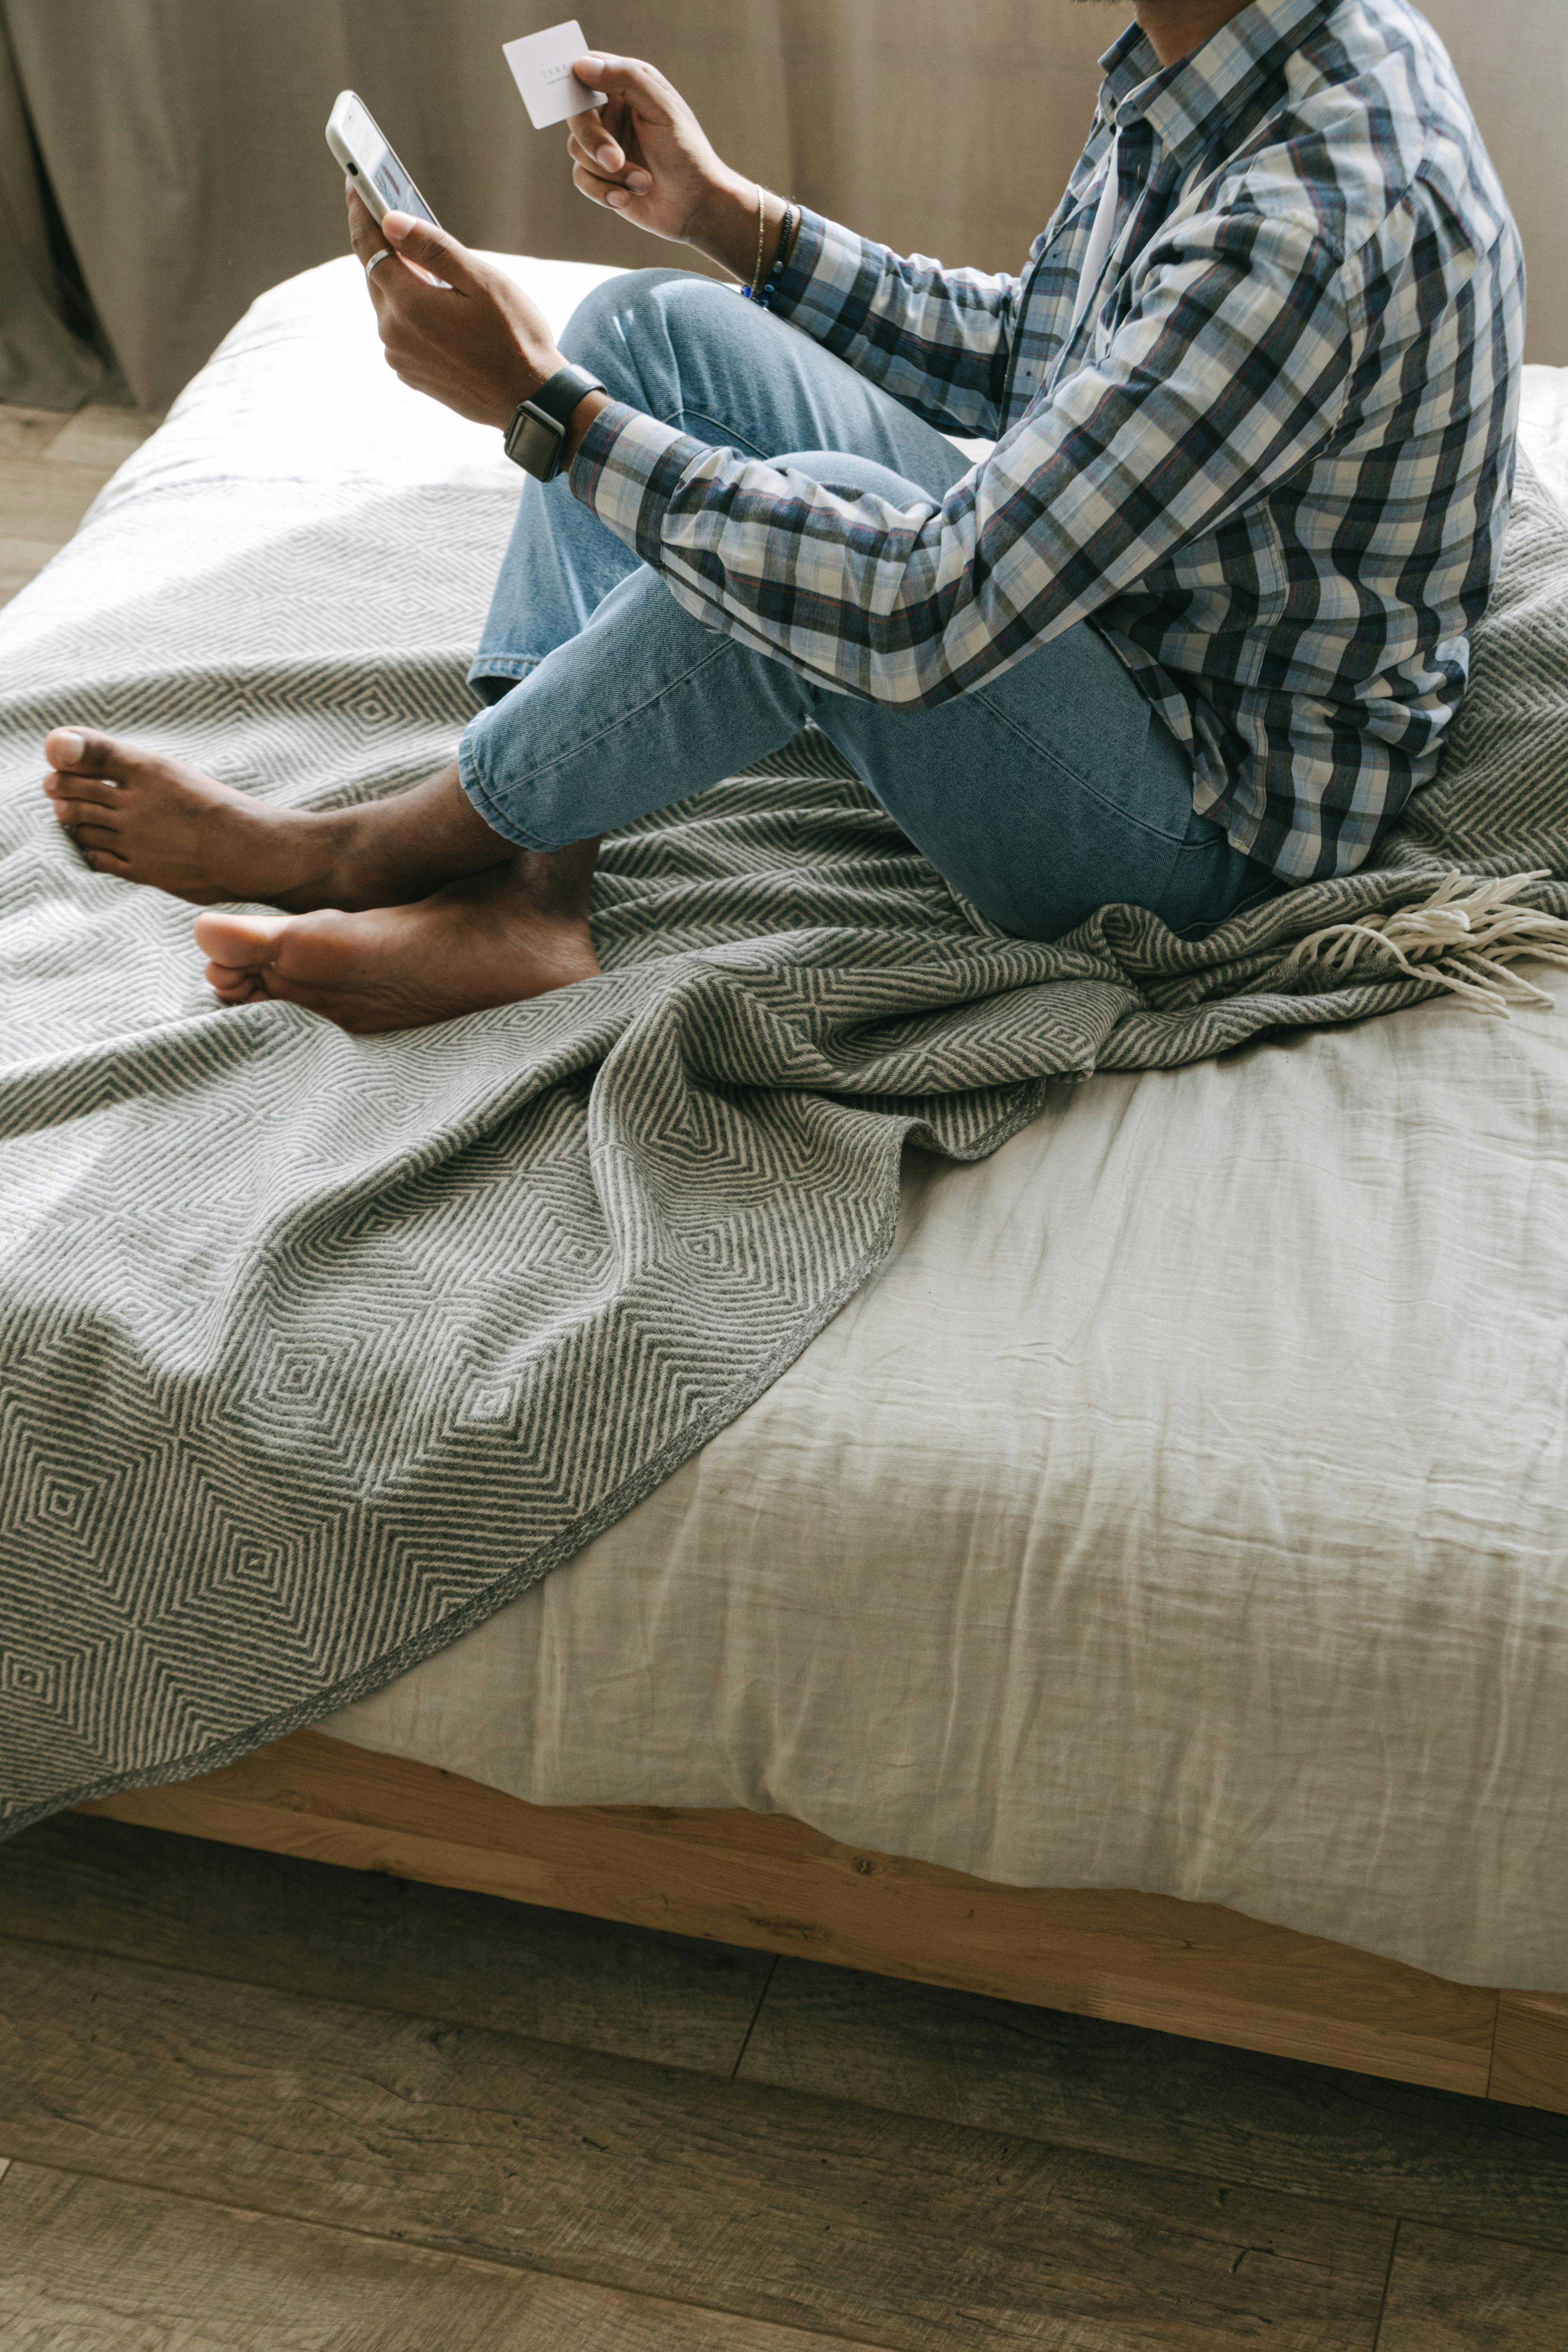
(316, 1351)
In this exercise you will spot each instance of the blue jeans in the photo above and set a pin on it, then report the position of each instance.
(1046, 792)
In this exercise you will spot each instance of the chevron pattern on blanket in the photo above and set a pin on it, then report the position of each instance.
(316, 1351)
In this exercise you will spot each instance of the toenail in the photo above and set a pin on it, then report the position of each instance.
(73, 747)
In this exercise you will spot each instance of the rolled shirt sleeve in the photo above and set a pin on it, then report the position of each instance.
(1227, 368)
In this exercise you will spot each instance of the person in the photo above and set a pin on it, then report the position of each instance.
(1190, 634)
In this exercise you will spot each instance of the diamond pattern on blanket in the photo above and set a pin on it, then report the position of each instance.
(316, 1351)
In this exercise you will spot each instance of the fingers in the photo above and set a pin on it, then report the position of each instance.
(615, 195)
(643, 88)
(604, 173)
(370, 236)
(432, 249)
(365, 229)
(589, 142)
(588, 184)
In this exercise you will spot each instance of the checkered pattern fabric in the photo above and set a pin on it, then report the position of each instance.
(1271, 464)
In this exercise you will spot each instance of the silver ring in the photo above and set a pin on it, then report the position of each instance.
(377, 259)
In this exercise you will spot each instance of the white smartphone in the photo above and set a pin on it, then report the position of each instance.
(370, 162)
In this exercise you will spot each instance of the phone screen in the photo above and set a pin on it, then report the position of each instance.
(377, 161)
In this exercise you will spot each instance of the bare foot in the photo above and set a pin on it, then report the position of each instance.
(153, 820)
(518, 930)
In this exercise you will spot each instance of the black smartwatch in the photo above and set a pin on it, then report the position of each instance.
(537, 433)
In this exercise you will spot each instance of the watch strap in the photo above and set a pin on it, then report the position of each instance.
(537, 432)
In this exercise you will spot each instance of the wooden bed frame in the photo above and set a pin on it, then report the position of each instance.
(768, 1882)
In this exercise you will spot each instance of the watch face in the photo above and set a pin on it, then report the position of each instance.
(534, 442)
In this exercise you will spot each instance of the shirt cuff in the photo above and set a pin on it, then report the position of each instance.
(825, 262)
(627, 468)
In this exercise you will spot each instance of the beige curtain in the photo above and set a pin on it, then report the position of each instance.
(183, 138)
(52, 353)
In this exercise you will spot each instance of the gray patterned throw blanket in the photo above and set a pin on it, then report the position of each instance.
(316, 1351)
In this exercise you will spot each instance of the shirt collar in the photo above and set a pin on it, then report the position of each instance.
(1185, 103)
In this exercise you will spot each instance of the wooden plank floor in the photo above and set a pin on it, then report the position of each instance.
(255, 2101)
(249, 2104)
(52, 466)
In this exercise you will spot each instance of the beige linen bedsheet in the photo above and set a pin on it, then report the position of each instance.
(1183, 1508)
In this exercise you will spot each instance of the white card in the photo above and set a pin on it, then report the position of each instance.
(542, 66)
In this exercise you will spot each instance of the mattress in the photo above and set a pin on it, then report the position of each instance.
(1183, 1505)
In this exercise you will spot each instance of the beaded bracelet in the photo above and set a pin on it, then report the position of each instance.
(770, 288)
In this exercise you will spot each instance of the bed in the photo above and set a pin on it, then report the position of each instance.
(1013, 1638)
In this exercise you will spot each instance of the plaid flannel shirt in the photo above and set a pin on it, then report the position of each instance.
(1271, 466)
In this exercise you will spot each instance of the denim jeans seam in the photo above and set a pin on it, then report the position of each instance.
(732, 439)
(577, 749)
(517, 666)
(667, 686)
(1221, 841)
(1112, 808)
(479, 791)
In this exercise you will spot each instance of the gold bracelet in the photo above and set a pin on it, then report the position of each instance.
(762, 232)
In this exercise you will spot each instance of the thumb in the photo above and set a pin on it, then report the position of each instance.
(433, 248)
(641, 87)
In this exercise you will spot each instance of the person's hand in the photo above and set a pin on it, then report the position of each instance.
(646, 156)
(473, 343)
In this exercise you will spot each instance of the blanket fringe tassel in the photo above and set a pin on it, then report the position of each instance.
(1465, 936)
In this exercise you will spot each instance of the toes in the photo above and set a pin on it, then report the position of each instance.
(64, 747)
(240, 943)
(309, 960)
(82, 792)
(232, 985)
(103, 861)
(74, 813)
(229, 979)
(79, 751)
(86, 754)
